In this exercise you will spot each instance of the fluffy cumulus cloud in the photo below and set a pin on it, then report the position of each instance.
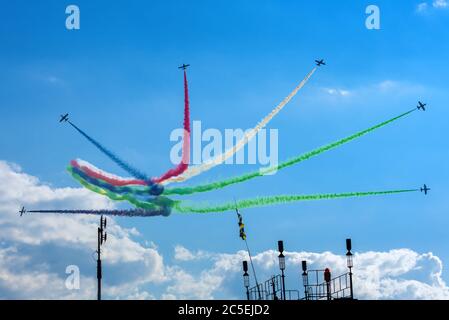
(183, 254)
(396, 274)
(35, 251)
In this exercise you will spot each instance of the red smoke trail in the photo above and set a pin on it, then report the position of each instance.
(179, 169)
(109, 179)
(184, 164)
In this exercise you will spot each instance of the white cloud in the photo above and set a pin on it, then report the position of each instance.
(35, 249)
(183, 254)
(398, 88)
(18, 280)
(187, 286)
(422, 7)
(26, 243)
(337, 92)
(391, 86)
(440, 4)
(393, 90)
(388, 85)
(395, 274)
(435, 4)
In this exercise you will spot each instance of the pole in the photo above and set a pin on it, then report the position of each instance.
(327, 279)
(350, 283)
(283, 285)
(99, 264)
(247, 248)
(247, 293)
(254, 270)
(305, 278)
(274, 289)
(305, 282)
(306, 296)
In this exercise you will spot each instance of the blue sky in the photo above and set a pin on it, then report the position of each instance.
(117, 77)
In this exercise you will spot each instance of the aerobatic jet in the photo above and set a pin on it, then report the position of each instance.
(425, 189)
(64, 118)
(320, 62)
(421, 106)
(184, 66)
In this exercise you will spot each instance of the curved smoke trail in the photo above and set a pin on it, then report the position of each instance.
(110, 178)
(80, 174)
(186, 140)
(145, 191)
(111, 182)
(148, 202)
(288, 163)
(122, 164)
(142, 179)
(281, 199)
(219, 159)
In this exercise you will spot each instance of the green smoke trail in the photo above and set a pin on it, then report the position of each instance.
(152, 204)
(281, 199)
(288, 163)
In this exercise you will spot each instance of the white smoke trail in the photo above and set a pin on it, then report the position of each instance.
(219, 159)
